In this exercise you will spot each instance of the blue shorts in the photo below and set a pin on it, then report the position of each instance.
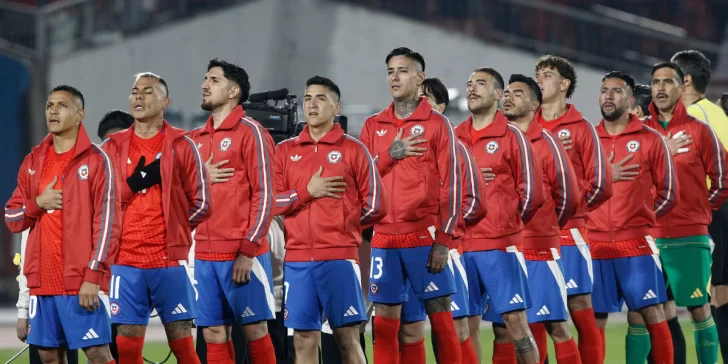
(392, 268)
(413, 309)
(221, 301)
(134, 292)
(499, 276)
(638, 281)
(60, 321)
(548, 290)
(314, 289)
(577, 263)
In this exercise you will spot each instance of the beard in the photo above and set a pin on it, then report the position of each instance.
(515, 113)
(614, 115)
(207, 106)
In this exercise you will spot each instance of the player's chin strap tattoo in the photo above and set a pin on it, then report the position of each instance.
(524, 345)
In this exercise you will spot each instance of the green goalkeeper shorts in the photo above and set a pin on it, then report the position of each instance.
(686, 263)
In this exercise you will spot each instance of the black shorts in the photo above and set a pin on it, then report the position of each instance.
(718, 230)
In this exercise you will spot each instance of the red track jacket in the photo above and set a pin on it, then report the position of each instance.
(631, 211)
(562, 195)
(422, 191)
(185, 185)
(517, 192)
(246, 201)
(326, 228)
(91, 214)
(706, 157)
(590, 163)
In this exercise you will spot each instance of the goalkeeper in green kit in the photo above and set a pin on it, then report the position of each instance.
(682, 234)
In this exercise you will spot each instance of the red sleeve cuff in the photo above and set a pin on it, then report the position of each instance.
(248, 248)
(32, 209)
(446, 240)
(303, 195)
(93, 276)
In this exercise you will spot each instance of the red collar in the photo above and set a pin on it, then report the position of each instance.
(83, 143)
(534, 131)
(634, 126)
(422, 112)
(496, 129)
(678, 115)
(331, 137)
(230, 122)
(571, 115)
(170, 132)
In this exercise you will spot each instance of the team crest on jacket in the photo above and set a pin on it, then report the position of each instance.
(491, 147)
(374, 288)
(225, 144)
(417, 129)
(83, 172)
(564, 133)
(114, 309)
(334, 156)
(633, 146)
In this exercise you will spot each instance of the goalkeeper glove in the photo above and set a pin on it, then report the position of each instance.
(143, 176)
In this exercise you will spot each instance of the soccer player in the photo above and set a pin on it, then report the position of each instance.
(521, 100)
(329, 187)
(697, 71)
(73, 239)
(473, 210)
(557, 79)
(113, 121)
(626, 265)
(411, 244)
(642, 97)
(514, 192)
(682, 234)
(232, 258)
(165, 194)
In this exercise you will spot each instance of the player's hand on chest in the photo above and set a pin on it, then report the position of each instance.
(303, 162)
(627, 156)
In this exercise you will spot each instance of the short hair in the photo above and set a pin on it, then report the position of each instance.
(674, 66)
(234, 73)
(323, 81)
(115, 119)
(622, 76)
(407, 53)
(696, 65)
(153, 76)
(77, 95)
(724, 103)
(433, 86)
(532, 85)
(493, 73)
(643, 97)
(563, 67)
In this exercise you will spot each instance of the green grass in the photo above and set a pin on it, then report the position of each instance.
(157, 351)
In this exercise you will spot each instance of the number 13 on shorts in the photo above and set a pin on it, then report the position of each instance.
(375, 269)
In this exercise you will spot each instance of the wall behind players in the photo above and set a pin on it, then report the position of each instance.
(281, 44)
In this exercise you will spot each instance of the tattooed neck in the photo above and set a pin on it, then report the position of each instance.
(404, 108)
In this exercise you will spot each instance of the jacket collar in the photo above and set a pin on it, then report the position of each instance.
(422, 112)
(331, 137)
(170, 133)
(230, 122)
(678, 115)
(634, 126)
(534, 131)
(572, 115)
(496, 129)
(83, 143)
